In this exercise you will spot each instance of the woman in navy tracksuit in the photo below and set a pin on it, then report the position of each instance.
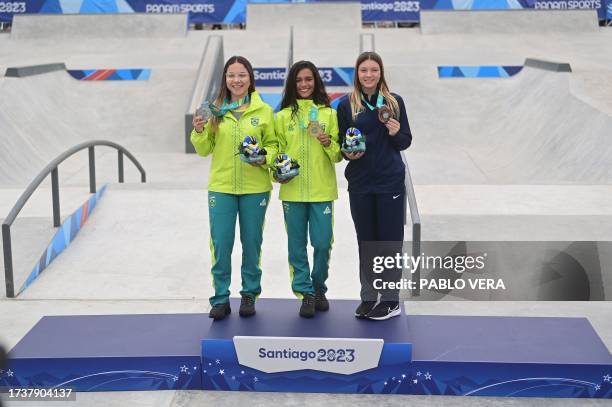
(376, 179)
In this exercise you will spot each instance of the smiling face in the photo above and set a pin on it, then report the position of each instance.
(237, 80)
(305, 83)
(369, 75)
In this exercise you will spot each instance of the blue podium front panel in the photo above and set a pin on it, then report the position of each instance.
(277, 350)
(426, 355)
(109, 353)
(334, 352)
(507, 357)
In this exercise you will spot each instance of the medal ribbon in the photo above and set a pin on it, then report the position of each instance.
(226, 107)
(313, 116)
(379, 102)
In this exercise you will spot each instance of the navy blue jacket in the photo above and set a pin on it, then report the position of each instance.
(381, 169)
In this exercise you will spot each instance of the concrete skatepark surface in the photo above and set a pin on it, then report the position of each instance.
(526, 158)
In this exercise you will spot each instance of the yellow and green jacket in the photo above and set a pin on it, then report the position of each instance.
(228, 174)
(316, 181)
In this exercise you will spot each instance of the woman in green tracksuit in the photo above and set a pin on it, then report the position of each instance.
(307, 131)
(236, 188)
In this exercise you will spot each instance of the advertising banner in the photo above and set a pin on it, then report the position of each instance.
(234, 11)
(200, 11)
(599, 5)
(275, 77)
(390, 10)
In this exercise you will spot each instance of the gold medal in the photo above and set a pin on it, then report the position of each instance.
(314, 128)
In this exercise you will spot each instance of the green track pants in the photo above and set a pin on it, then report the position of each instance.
(302, 219)
(222, 211)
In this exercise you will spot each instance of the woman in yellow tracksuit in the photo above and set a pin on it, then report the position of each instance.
(236, 188)
(307, 131)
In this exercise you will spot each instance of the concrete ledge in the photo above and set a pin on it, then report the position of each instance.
(99, 26)
(548, 65)
(508, 21)
(23, 71)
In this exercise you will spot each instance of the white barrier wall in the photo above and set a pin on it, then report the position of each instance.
(97, 26)
(507, 21)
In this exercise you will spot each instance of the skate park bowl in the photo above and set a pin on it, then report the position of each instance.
(519, 159)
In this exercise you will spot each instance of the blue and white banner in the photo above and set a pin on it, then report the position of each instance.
(234, 11)
(200, 11)
(275, 77)
(390, 10)
(599, 5)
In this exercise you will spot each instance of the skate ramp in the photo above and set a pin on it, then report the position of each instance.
(528, 129)
(508, 21)
(97, 26)
(339, 15)
(44, 115)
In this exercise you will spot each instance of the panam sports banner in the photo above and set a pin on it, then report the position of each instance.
(234, 11)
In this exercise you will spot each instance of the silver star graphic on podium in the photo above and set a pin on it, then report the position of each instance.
(9, 373)
(218, 361)
(399, 381)
(597, 387)
(204, 371)
(175, 379)
(385, 383)
(255, 379)
(195, 368)
(415, 381)
(183, 369)
(427, 376)
(393, 378)
(221, 372)
(403, 376)
(242, 372)
(419, 373)
(607, 378)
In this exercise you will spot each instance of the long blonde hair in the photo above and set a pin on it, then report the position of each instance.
(355, 96)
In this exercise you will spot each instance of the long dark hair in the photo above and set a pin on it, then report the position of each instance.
(224, 92)
(383, 88)
(290, 94)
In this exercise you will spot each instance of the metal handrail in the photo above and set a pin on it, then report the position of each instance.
(51, 168)
(411, 203)
(206, 85)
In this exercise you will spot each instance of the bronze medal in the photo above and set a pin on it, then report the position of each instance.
(385, 113)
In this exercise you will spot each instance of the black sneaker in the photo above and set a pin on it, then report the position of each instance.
(321, 303)
(363, 309)
(219, 311)
(384, 310)
(307, 310)
(247, 306)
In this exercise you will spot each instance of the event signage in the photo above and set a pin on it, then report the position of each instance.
(390, 10)
(275, 77)
(334, 355)
(234, 11)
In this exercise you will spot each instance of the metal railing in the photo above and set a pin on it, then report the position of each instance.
(206, 84)
(51, 168)
(415, 218)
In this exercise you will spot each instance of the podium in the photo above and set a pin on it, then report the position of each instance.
(334, 352)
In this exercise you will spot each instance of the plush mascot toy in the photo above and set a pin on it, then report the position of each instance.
(250, 152)
(285, 168)
(354, 141)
